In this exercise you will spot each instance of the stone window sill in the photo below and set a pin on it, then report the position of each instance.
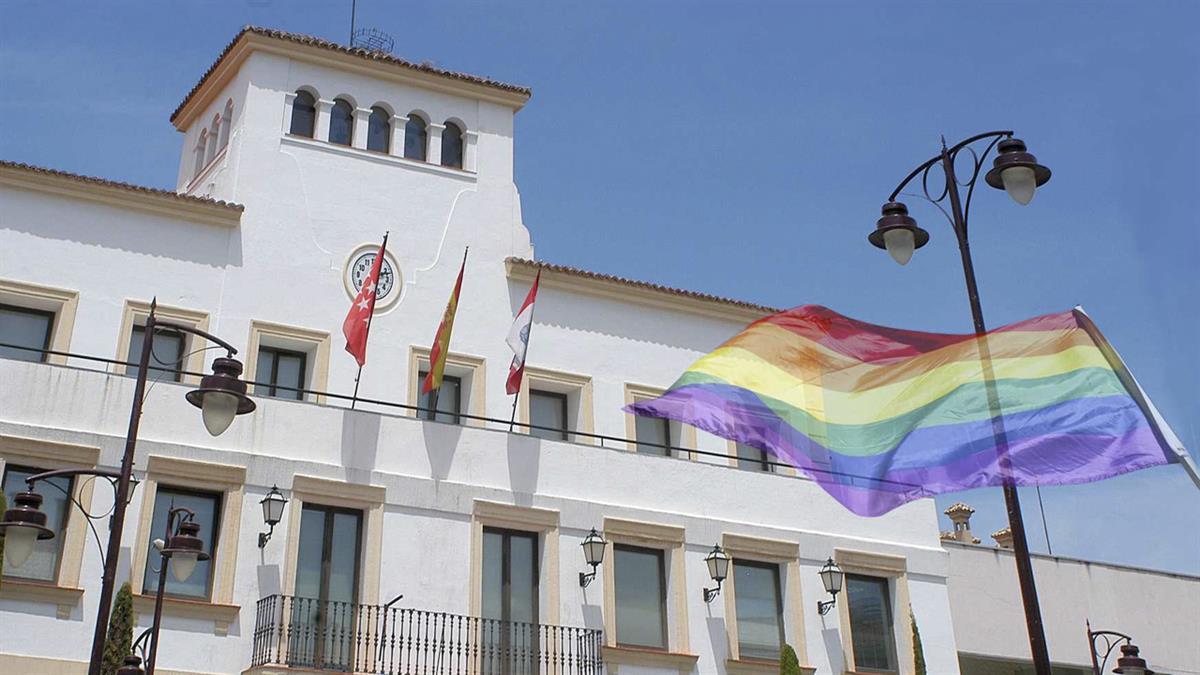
(379, 157)
(759, 667)
(221, 615)
(649, 658)
(37, 591)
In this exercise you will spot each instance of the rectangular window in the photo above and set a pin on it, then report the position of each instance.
(750, 457)
(28, 328)
(207, 507)
(42, 564)
(641, 596)
(328, 559)
(280, 373)
(510, 602)
(871, 627)
(759, 607)
(166, 355)
(548, 410)
(653, 435)
(449, 401)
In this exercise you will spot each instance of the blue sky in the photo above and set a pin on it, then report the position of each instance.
(744, 149)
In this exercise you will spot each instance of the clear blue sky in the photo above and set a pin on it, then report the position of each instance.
(744, 149)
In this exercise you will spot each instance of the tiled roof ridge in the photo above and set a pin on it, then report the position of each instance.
(105, 182)
(696, 295)
(300, 38)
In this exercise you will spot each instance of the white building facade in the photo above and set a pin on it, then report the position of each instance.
(297, 156)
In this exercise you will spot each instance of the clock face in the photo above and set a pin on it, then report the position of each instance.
(360, 267)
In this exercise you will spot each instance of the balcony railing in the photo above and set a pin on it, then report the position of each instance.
(348, 637)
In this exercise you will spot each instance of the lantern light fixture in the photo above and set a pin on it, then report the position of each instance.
(272, 507)
(593, 554)
(718, 568)
(24, 525)
(831, 579)
(185, 549)
(222, 395)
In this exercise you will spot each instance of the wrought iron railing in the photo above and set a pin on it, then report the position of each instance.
(354, 638)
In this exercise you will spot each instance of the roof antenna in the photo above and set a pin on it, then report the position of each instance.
(353, 11)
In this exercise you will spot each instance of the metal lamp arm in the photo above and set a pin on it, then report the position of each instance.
(952, 151)
(183, 328)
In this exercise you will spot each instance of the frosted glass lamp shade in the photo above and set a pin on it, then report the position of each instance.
(1019, 183)
(219, 410)
(18, 544)
(900, 244)
(182, 566)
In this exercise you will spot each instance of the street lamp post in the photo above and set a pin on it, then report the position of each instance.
(1017, 172)
(183, 543)
(221, 397)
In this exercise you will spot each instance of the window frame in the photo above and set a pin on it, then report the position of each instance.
(387, 129)
(431, 415)
(506, 569)
(670, 540)
(417, 119)
(291, 125)
(786, 555)
(349, 108)
(460, 132)
(895, 570)
(273, 385)
(564, 408)
(46, 342)
(314, 343)
(765, 465)
(135, 313)
(211, 540)
(59, 301)
(471, 372)
(777, 576)
(545, 524)
(578, 388)
(154, 364)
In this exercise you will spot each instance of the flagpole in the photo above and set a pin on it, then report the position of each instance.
(358, 376)
(517, 395)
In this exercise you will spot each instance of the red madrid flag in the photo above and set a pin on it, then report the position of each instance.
(358, 320)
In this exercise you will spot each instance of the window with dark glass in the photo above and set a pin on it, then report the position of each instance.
(510, 602)
(42, 564)
(304, 115)
(416, 138)
(280, 373)
(759, 607)
(750, 457)
(327, 565)
(548, 414)
(640, 590)
(871, 629)
(166, 355)
(341, 122)
(653, 435)
(207, 507)
(379, 130)
(22, 327)
(449, 400)
(452, 145)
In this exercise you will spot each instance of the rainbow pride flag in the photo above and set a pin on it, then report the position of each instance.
(880, 416)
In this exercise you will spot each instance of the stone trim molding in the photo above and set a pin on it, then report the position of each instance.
(220, 614)
(785, 554)
(369, 499)
(668, 538)
(615, 657)
(563, 383)
(456, 364)
(135, 314)
(545, 522)
(50, 455)
(638, 392)
(754, 667)
(895, 569)
(314, 343)
(230, 481)
(61, 301)
(64, 598)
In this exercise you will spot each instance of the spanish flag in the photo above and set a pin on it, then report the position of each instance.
(441, 343)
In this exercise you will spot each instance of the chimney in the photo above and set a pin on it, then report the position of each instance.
(1003, 538)
(960, 515)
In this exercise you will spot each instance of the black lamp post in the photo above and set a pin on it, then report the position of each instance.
(221, 397)
(831, 579)
(1018, 173)
(593, 553)
(718, 568)
(184, 546)
(272, 506)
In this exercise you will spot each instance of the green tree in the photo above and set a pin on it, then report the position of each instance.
(120, 632)
(788, 663)
(918, 650)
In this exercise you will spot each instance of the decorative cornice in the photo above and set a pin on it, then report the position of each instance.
(639, 532)
(516, 517)
(323, 52)
(355, 495)
(756, 548)
(625, 290)
(121, 195)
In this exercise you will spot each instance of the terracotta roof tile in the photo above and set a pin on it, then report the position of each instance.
(104, 182)
(646, 285)
(366, 54)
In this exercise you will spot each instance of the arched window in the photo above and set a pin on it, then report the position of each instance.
(200, 143)
(226, 121)
(379, 130)
(416, 138)
(304, 115)
(341, 122)
(214, 131)
(452, 145)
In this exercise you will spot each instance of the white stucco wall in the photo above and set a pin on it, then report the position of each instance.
(1159, 610)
